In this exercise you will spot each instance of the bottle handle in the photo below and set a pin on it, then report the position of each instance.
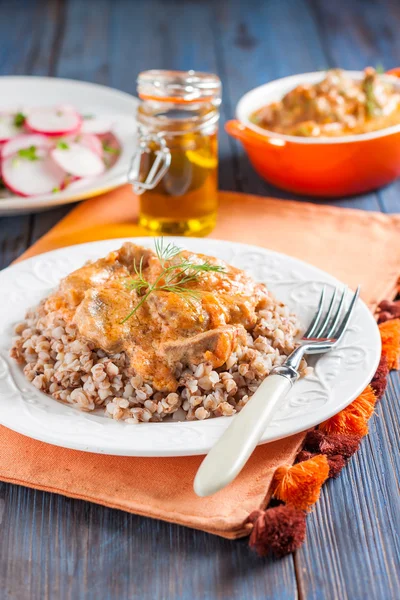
(157, 170)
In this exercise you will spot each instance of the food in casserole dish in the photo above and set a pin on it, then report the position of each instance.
(336, 106)
(145, 335)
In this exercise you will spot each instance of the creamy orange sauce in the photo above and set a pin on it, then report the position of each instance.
(165, 329)
(336, 106)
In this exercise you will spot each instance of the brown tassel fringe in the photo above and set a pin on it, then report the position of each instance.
(326, 450)
(321, 443)
(336, 462)
(280, 530)
(388, 311)
(379, 380)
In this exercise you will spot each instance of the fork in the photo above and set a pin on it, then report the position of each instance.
(229, 455)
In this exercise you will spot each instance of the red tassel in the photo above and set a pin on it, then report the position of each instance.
(379, 381)
(280, 530)
(388, 310)
(336, 462)
(304, 455)
(330, 445)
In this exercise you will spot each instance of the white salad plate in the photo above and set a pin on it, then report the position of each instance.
(338, 378)
(19, 93)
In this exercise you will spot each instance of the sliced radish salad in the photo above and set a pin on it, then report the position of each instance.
(45, 150)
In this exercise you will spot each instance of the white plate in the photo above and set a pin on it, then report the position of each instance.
(338, 378)
(89, 98)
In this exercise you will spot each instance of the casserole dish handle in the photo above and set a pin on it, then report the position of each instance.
(239, 131)
(395, 72)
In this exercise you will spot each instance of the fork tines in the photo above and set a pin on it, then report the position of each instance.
(329, 324)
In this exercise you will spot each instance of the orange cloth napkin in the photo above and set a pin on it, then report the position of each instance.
(356, 246)
(322, 235)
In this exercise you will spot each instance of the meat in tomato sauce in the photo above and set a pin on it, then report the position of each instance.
(166, 329)
(336, 106)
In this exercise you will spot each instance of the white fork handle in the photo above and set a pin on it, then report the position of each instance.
(229, 455)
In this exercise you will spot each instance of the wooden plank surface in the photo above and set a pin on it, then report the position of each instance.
(52, 547)
(353, 539)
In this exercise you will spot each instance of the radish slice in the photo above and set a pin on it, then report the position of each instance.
(99, 126)
(83, 139)
(78, 160)
(56, 121)
(90, 141)
(25, 141)
(8, 129)
(32, 177)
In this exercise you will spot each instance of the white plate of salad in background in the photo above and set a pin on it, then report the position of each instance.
(62, 141)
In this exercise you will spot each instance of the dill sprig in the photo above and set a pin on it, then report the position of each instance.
(167, 252)
(173, 277)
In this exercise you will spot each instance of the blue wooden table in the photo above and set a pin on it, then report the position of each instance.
(56, 548)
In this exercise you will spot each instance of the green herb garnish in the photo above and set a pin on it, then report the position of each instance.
(55, 190)
(28, 153)
(110, 149)
(19, 119)
(380, 69)
(62, 145)
(304, 130)
(87, 116)
(173, 277)
(371, 103)
(255, 118)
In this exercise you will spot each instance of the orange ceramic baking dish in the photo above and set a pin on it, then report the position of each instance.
(338, 166)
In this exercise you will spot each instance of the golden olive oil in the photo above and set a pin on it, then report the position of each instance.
(185, 200)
